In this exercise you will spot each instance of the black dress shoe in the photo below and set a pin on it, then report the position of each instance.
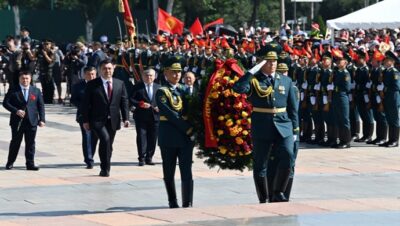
(89, 166)
(9, 166)
(104, 173)
(379, 142)
(141, 163)
(372, 141)
(149, 162)
(343, 146)
(392, 144)
(32, 167)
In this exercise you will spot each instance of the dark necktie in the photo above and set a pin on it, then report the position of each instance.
(109, 90)
(271, 79)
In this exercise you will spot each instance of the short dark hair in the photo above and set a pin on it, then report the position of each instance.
(24, 73)
(89, 68)
(106, 61)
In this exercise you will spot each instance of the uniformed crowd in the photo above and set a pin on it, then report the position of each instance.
(327, 89)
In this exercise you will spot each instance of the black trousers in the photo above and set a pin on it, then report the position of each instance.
(29, 133)
(89, 143)
(106, 136)
(146, 138)
(170, 155)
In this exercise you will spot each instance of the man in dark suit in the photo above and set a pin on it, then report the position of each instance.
(189, 79)
(104, 102)
(89, 138)
(25, 102)
(146, 116)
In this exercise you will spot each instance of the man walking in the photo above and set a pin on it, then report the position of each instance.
(104, 102)
(25, 102)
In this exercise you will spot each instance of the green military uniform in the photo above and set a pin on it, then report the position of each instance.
(274, 156)
(122, 72)
(362, 100)
(377, 106)
(314, 107)
(354, 114)
(342, 83)
(174, 139)
(304, 114)
(391, 103)
(328, 115)
(274, 122)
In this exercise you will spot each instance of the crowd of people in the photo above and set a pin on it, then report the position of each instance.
(338, 82)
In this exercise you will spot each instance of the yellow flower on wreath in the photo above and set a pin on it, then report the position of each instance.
(222, 150)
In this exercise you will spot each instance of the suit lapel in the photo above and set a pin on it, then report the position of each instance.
(103, 90)
(21, 94)
(146, 94)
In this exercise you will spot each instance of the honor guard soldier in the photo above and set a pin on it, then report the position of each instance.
(175, 134)
(377, 102)
(391, 103)
(354, 115)
(274, 123)
(342, 85)
(362, 98)
(314, 90)
(306, 123)
(327, 89)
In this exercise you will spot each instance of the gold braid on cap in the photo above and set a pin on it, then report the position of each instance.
(260, 91)
(177, 106)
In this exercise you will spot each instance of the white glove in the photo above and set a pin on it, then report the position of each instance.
(325, 99)
(312, 100)
(185, 69)
(366, 98)
(304, 85)
(301, 96)
(380, 87)
(294, 138)
(350, 97)
(256, 68)
(202, 72)
(194, 69)
(192, 138)
(353, 85)
(368, 85)
(158, 67)
(317, 86)
(330, 87)
(378, 99)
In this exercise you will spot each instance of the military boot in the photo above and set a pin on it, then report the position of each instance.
(382, 134)
(261, 188)
(281, 181)
(393, 137)
(187, 194)
(171, 192)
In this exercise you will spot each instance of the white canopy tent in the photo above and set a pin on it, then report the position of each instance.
(381, 15)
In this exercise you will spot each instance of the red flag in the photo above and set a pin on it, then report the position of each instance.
(378, 55)
(169, 23)
(196, 28)
(352, 54)
(218, 21)
(316, 55)
(287, 48)
(128, 20)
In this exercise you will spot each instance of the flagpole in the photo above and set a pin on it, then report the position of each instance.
(119, 29)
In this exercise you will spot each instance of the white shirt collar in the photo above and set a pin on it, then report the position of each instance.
(24, 87)
(173, 86)
(272, 75)
(105, 81)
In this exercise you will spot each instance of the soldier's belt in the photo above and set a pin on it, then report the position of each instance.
(163, 118)
(269, 110)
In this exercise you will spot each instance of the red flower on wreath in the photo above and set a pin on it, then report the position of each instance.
(32, 97)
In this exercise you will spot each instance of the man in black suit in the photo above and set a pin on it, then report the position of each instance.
(146, 116)
(104, 102)
(25, 102)
(89, 138)
(97, 56)
(189, 79)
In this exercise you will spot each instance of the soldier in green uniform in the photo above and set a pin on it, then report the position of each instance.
(304, 117)
(354, 114)
(175, 134)
(314, 91)
(342, 85)
(274, 158)
(362, 98)
(327, 89)
(391, 103)
(274, 123)
(377, 103)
